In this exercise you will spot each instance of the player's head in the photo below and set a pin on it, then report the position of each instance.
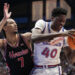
(10, 26)
(59, 17)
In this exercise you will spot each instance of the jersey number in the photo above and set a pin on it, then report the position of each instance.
(46, 52)
(21, 59)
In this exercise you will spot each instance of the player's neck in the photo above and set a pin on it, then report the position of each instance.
(54, 28)
(13, 39)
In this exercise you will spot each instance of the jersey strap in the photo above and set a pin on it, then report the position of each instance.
(44, 27)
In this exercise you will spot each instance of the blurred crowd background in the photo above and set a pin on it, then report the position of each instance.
(27, 12)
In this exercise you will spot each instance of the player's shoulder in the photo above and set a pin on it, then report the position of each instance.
(3, 43)
(65, 29)
(26, 35)
(40, 21)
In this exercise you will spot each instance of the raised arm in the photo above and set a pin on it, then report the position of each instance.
(6, 15)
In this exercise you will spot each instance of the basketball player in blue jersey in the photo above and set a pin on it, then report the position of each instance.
(17, 47)
(52, 37)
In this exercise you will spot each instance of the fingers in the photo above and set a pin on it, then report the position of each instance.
(10, 13)
(71, 32)
(7, 14)
(70, 35)
(6, 6)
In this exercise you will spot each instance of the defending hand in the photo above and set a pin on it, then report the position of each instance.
(6, 9)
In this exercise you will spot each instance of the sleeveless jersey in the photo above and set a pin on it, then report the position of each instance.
(48, 52)
(19, 58)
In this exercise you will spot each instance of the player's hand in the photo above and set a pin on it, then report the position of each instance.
(6, 9)
(71, 33)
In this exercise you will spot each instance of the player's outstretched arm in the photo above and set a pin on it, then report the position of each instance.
(38, 37)
(6, 15)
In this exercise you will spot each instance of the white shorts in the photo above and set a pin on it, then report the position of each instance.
(47, 71)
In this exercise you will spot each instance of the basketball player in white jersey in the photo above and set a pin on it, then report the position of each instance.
(52, 37)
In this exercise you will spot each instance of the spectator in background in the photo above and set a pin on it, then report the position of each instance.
(17, 47)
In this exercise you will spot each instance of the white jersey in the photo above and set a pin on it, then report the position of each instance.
(48, 53)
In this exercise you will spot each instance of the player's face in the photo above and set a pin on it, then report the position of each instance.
(11, 26)
(59, 22)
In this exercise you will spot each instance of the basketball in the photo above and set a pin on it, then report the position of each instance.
(71, 42)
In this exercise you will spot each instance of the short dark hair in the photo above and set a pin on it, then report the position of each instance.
(59, 11)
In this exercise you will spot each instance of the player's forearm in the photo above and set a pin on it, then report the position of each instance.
(44, 37)
(2, 23)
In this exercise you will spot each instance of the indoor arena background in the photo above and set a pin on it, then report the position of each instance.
(27, 12)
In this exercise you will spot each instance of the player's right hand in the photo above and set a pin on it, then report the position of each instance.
(6, 9)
